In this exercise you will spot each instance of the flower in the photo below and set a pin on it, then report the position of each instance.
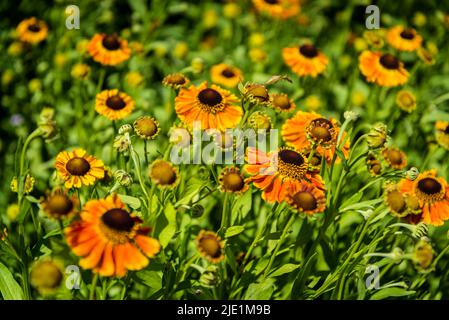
(279, 9)
(442, 133)
(58, 204)
(281, 102)
(422, 254)
(279, 172)
(80, 71)
(108, 49)
(374, 38)
(312, 103)
(426, 56)
(232, 181)
(305, 60)
(47, 276)
(226, 75)
(210, 246)
(432, 193)
(163, 174)
(259, 121)
(377, 136)
(134, 79)
(404, 39)
(395, 200)
(110, 238)
(12, 211)
(256, 93)
(374, 165)
(309, 128)
(146, 127)
(395, 158)
(32, 30)
(406, 100)
(307, 198)
(175, 81)
(384, 69)
(77, 168)
(211, 105)
(231, 10)
(27, 187)
(113, 104)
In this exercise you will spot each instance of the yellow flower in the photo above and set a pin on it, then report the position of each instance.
(7, 77)
(34, 85)
(134, 78)
(181, 50)
(12, 211)
(15, 48)
(406, 100)
(32, 30)
(256, 39)
(210, 18)
(113, 104)
(312, 103)
(226, 75)
(47, 276)
(257, 55)
(60, 59)
(80, 71)
(231, 10)
(419, 19)
(358, 98)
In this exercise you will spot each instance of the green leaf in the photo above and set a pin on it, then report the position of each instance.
(130, 201)
(151, 279)
(241, 207)
(9, 288)
(170, 229)
(286, 268)
(260, 291)
(233, 231)
(390, 292)
(192, 188)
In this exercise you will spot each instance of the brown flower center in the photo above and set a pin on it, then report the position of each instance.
(305, 200)
(111, 42)
(34, 27)
(146, 127)
(118, 219)
(163, 173)
(272, 1)
(210, 97)
(394, 156)
(376, 168)
(308, 50)
(115, 103)
(389, 61)
(321, 130)
(228, 73)
(176, 79)
(408, 34)
(291, 157)
(60, 204)
(429, 186)
(281, 101)
(78, 166)
(446, 130)
(233, 182)
(396, 201)
(211, 246)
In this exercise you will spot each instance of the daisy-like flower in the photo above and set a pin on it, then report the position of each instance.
(279, 172)
(432, 193)
(281, 102)
(175, 81)
(279, 9)
(146, 127)
(108, 49)
(163, 174)
(305, 60)
(110, 239)
(307, 198)
(77, 168)
(113, 104)
(232, 181)
(211, 105)
(406, 100)
(442, 133)
(59, 205)
(260, 121)
(384, 69)
(404, 39)
(256, 93)
(374, 165)
(47, 276)
(308, 128)
(210, 246)
(395, 158)
(226, 75)
(32, 30)
(402, 205)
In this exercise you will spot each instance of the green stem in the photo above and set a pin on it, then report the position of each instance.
(93, 287)
(224, 213)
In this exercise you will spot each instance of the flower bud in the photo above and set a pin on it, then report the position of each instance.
(210, 278)
(126, 128)
(422, 254)
(377, 136)
(412, 174)
(123, 178)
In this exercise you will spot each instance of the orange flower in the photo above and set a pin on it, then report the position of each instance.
(395, 158)
(306, 60)
(110, 239)
(32, 30)
(211, 105)
(108, 49)
(113, 104)
(307, 198)
(279, 173)
(279, 9)
(404, 39)
(226, 75)
(432, 193)
(384, 69)
(306, 128)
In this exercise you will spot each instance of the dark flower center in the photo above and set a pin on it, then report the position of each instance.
(292, 157)
(210, 97)
(210, 246)
(111, 42)
(78, 166)
(60, 204)
(308, 50)
(118, 219)
(115, 102)
(228, 73)
(429, 186)
(408, 34)
(395, 156)
(321, 129)
(272, 1)
(233, 182)
(305, 200)
(446, 131)
(34, 27)
(389, 61)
